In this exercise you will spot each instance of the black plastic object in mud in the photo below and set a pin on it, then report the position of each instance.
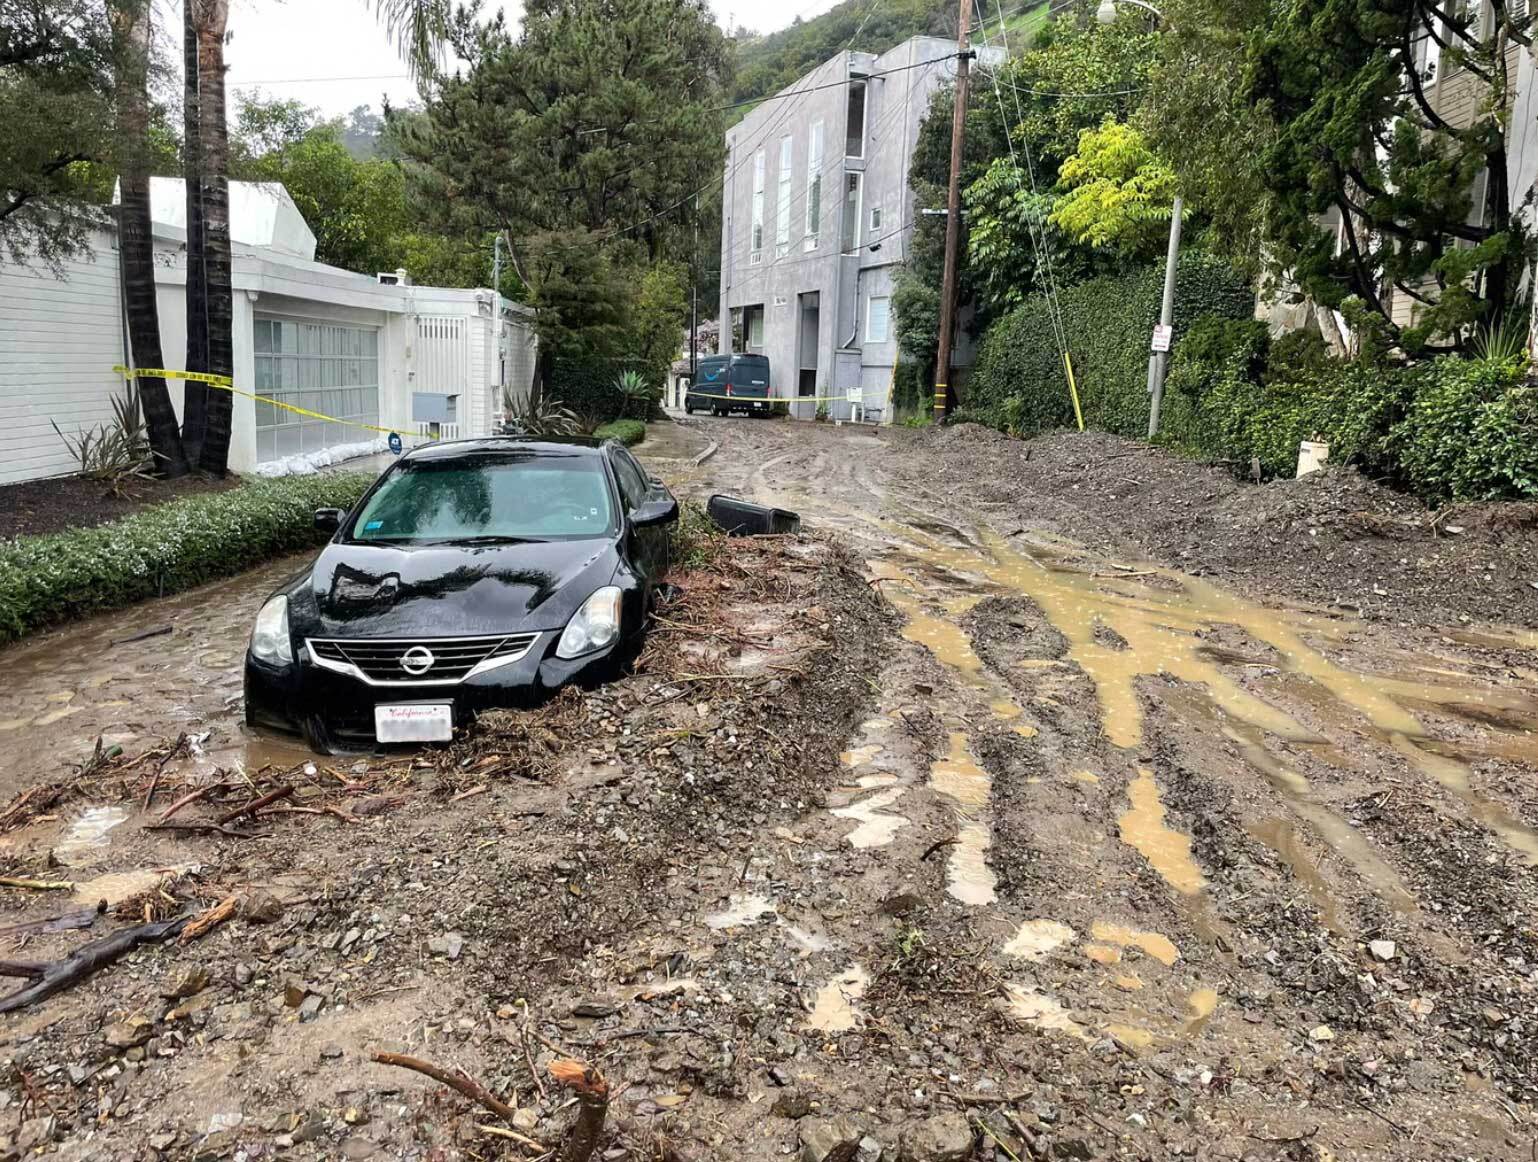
(738, 518)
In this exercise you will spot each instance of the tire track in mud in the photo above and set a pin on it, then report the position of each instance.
(1269, 738)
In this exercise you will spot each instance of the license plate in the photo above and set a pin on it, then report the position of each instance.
(414, 722)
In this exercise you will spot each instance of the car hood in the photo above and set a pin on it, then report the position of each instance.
(356, 590)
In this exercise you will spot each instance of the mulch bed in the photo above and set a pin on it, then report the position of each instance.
(73, 502)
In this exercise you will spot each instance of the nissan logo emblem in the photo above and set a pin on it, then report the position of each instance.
(417, 661)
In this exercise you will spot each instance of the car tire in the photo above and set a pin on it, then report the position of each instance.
(688, 409)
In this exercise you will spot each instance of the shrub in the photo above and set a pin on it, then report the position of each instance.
(589, 386)
(627, 432)
(172, 546)
(1019, 382)
(1472, 431)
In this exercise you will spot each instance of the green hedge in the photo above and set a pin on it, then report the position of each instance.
(586, 386)
(172, 546)
(627, 432)
(1019, 384)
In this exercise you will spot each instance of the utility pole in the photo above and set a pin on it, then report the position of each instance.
(694, 299)
(943, 393)
(1158, 361)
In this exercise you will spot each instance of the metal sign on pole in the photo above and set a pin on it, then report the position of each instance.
(1163, 337)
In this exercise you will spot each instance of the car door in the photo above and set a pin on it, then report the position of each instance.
(635, 487)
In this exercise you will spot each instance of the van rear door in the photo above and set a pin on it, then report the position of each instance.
(750, 377)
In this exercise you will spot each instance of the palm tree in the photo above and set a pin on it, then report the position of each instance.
(210, 19)
(131, 44)
(419, 25)
(194, 395)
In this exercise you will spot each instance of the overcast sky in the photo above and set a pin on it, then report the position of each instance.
(334, 55)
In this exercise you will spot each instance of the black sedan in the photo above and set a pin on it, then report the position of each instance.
(473, 574)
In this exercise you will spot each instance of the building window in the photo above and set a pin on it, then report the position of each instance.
(851, 238)
(813, 186)
(320, 367)
(782, 201)
(755, 320)
(878, 319)
(756, 246)
(875, 219)
(854, 134)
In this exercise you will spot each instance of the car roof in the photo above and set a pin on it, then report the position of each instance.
(529, 445)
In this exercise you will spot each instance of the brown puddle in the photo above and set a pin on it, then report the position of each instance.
(1282, 838)
(959, 778)
(1153, 944)
(835, 1008)
(1203, 1002)
(1121, 628)
(1036, 938)
(1169, 851)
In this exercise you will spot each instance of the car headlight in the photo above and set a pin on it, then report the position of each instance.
(594, 626)
(269, 640)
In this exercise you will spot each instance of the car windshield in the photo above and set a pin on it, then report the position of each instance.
(488, 499)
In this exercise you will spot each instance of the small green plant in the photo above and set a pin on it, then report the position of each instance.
(1502, 341)
(696, 541)
(117, 453)
(822, 413)
(544, 416)
(919, 420)
(636, 391)
(627, 432)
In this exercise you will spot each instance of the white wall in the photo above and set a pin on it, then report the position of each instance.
(59, 340)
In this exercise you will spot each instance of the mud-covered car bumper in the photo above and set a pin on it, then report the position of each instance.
(326, 706)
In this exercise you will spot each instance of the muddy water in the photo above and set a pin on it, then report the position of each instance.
(1143, 827)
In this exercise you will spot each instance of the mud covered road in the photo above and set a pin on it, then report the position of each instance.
(1056, 800)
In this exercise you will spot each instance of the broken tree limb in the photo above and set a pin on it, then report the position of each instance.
(592, 1106)
(210, 918)
(256, 805)
(458, 1082)
(29, 969)
(220, 828)
(191, 797)
(59, 975)
(37, 885)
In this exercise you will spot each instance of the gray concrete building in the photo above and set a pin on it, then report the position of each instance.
(816, 217)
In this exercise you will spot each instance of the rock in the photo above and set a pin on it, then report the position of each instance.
(942, 1138)
(354, 1116)
(36, 1132)
(331, 1052)
(294, 994)
(189, 983)
(869, 1151)
(1494, 1017)
(1382, 949)
(791, 1104)
(779, 1076)
(1072, 1146)
(261, 908)
(310, 1008)
(903, 904)
(1322, 1033)
(160, 1143)
(594, 1007)
(449, 945)
(350, 939)
(130, 1033)
(525, 1119)
(355, 1148)
(837, 1140)
(227, 1120)
(243, 975)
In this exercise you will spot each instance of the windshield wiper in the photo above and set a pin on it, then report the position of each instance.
(486, 540)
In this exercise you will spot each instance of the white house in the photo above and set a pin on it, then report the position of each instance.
(424, 361)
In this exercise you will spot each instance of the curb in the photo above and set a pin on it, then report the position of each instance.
(706, 454)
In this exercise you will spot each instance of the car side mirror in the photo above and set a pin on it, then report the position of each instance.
(328, 520)
(653, 513)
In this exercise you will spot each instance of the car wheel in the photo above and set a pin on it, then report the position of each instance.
(717, 412)
(688, 409)
(316, 735)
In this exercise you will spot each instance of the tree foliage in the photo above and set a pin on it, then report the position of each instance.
(1118, 195)
(584, 139)
(1371, 185)
(56, 117)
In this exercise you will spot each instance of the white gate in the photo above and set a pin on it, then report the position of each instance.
(442, 368)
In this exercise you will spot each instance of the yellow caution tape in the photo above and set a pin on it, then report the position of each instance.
(227, 384)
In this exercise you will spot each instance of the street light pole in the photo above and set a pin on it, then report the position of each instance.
(1158, 362)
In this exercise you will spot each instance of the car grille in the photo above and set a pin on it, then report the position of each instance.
(385, 661)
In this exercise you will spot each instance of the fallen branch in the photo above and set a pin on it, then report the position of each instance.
(59, 975)
(219, 828)
(937, 845)
(210, 918)
(256, 805)
(512, 1136)
(179, 747)
(37, 885)
(142, 635)
(458, 1082)
(592, 1106)
(28, 803)
(191, 797)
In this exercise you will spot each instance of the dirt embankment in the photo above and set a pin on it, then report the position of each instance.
(1333, 537)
